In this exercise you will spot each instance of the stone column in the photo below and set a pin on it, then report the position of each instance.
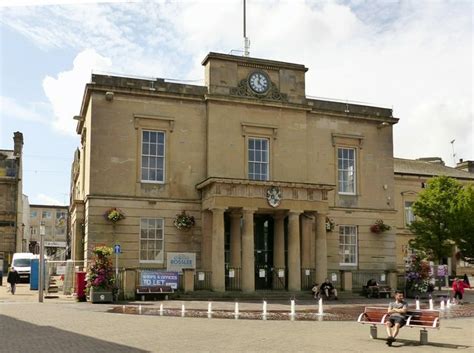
(248, 256)
(235, 240)
(321, 249)
(306, 228)
(218, 262)
(279, 246)
(294, 260)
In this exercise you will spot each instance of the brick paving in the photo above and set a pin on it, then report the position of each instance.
(62, 325)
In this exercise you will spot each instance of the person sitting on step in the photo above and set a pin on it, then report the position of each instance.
(328, 289)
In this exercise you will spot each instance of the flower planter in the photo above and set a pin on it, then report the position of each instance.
(100, 296)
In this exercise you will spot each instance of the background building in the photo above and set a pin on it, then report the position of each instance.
(410, 179)
(11, 200)
(55, 222)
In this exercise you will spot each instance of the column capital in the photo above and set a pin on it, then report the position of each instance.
(279, 215)
(218, 209)
(249, 210)
(295, 212)
(235, 214)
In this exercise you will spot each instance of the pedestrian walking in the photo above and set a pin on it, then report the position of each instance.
(13, 278)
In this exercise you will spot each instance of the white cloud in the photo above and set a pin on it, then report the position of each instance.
(43, 199)
(416, 56)
(66, 90)
(10, 108)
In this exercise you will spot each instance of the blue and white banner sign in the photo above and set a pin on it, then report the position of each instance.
(159, 278)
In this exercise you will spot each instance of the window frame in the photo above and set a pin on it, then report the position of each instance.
(405, 209)
(355, 245)
(268, 154)
(47, 213)
(355, 150)
(159, 261)
(163, 181)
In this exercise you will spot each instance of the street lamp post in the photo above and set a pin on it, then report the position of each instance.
(41, 263)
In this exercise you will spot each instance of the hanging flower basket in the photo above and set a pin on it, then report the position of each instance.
(114, 215)
(379, 227)
(329, 224)
(183, 222)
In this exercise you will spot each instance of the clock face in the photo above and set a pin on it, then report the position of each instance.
(259, 82)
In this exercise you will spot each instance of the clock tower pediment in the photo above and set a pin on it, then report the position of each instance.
(255, 78)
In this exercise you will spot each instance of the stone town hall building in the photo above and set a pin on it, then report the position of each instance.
(283, 187)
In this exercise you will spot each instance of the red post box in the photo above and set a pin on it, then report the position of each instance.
(81, 286)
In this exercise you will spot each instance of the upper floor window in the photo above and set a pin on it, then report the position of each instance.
(46, 215)
(33, 214)
(61, 214)
(153, 156)
(258, 158)
(348, 245)
(409, 215)
(346, 167)
(151, 239)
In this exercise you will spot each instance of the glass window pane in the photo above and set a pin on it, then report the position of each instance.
(161, 137)
(153, 137)
(146, 136)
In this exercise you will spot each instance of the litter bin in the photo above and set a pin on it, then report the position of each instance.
(80, 287)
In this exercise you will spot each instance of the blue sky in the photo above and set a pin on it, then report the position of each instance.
(414, 56)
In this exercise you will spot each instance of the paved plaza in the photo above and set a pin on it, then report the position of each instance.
(63, 325)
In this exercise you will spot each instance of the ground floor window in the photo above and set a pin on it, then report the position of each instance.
(151, 240)
(348, 245)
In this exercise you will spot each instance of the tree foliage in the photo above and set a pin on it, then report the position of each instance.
(462, 225)
(435, 211)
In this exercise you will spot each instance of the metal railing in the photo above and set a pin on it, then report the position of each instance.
(233, 279)
(202, 280)
(307, 278)
(360, 278)
(279, 282)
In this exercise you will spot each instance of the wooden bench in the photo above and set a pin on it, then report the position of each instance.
(422, 319)
(372, 291)
(153, 290)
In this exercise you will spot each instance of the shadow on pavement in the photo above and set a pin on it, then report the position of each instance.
(21, 336)
(405, 343)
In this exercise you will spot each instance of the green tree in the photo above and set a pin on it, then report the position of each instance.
(435, 210)
(462, 225)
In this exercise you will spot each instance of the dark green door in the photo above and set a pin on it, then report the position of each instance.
(263, 235)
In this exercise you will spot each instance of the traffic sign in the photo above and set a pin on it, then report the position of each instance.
(117, 249)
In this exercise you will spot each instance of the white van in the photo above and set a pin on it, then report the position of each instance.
(22, 263)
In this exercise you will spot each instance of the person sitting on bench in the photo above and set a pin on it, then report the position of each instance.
(328, 289)
(372, 288)
(397, 311)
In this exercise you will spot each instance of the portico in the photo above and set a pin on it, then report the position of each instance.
(286, 221)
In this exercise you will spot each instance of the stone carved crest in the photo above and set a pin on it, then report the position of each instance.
(243, 90)
(274, 196)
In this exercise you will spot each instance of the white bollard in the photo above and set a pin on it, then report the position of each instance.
(264, 317)
(139, 310)
(417, 303)
(183, 310)
(320, 306)
(161, 309)
(209, 308)
(448, 303)
(431, 304)
(442, 305)
(123, 309)
(236, 310)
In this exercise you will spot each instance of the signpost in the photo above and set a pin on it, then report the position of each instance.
(117, 251)
(41, 263)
